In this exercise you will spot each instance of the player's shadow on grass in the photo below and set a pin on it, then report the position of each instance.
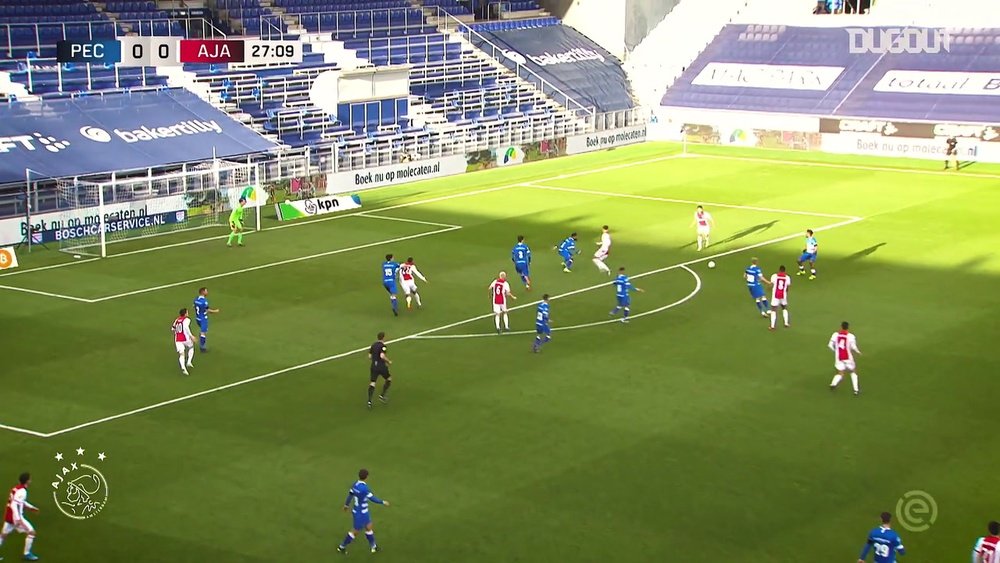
(865, 252)
(742, 234)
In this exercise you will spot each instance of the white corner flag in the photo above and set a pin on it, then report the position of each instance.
(8, 259)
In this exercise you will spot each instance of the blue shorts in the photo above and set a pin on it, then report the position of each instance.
(543, 329)
(807, 257)
(624, 301)
(390, 286)
(203, 324)
(756, 291)
(361, 521)
(566, 256)
(521, 268)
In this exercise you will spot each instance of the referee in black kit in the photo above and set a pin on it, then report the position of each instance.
(380, 368)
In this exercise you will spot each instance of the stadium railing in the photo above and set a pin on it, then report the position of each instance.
(359, 23)
(450, 23)
(45, 76)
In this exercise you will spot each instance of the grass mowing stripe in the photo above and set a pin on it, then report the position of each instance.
(691, 202)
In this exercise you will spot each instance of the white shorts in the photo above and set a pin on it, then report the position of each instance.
(779, 302)
(409, 287)
(498, 308)
(844, 365)
(703, 230)
(183, 346)
(602, 254)
(24, 528)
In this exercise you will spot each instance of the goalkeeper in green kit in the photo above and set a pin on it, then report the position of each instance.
(236, 223)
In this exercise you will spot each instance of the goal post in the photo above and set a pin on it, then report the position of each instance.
(138, 212)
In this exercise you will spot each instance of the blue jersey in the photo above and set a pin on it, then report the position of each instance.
(201, 307)
(568, 246)
(812, 245)
(542, 315)
(389, 270)
(753, 275)
(358, 498)
(622, 287)
(521, 254)
(886, 543)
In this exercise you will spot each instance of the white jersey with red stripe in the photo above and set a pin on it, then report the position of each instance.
(17, 501)
(408, 273)
(989, 549)
(182, 330)
(499, 289)
(844, 346)
(604, 247)
(701, 218)
(779, 288)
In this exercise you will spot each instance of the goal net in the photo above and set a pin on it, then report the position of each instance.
(127, 214)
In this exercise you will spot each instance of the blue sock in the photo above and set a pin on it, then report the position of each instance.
(395, 304)
(626, 312)
(202, 340)
(347, 540)
(615, 311)
(757, 303)
(764, 305)
(371, 538)
(547, 338)
(569, 264)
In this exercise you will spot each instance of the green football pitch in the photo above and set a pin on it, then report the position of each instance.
(692, 434)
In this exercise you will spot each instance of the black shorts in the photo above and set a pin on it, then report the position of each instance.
(380, 371)
(951, 152)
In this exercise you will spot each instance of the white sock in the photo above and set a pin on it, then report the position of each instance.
(836, 380)
(506, 322)
(417, 295)
(191, 356)
(706, 242)
(496, 319)
(1, 540)
(854, 382)
(180, 360)
(784, 314)
(774, 317)
(408, 300)
(27, 544)
(699, 243)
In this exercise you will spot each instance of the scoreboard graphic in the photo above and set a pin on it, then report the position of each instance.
(174, 51)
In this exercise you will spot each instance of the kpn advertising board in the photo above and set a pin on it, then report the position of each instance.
(302, 208)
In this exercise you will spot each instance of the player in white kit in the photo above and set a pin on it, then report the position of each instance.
(844, 346)
(14, 519)
(183, 340)
(408, 274)
(499, 292)
(603, 249)
(703, 220)
(779, 296)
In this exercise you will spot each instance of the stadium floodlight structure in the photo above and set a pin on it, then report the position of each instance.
(97, 218)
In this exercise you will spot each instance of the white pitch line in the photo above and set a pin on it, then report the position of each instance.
(681, 301)
(409, 337)
(834, 165)
(688, 201)
(23, 431)
(272, 265)
(45, 293)
(402, 220)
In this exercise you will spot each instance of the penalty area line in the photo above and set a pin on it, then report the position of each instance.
(681, 301)
(414, 336)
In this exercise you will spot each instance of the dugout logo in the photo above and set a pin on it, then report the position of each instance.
(886, 128)
(985, 133)
(32, 142)
(79, 489)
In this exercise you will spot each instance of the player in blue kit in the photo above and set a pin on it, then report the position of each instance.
(884, 541)
(754, 278)
(567, 249)
(809, 255)
(389, 269)
(622, 288)
(543, 332)
(520, 255)
(201, 311)
(357, 502)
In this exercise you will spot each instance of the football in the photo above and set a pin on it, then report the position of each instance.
(711, 263)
